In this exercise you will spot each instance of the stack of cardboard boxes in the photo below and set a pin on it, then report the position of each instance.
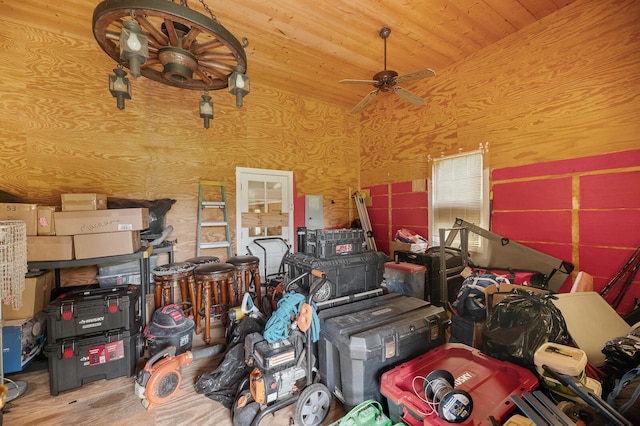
(82, 228)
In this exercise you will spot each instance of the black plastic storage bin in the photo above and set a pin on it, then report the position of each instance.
(361, 340)
(347, 275)
(169, 327)
(90, 311)
(325, 244)
(431, 259)
(79, 360)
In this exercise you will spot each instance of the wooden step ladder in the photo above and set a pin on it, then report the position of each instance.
(211, 195)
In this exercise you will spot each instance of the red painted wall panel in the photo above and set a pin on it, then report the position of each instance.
(603, 262)
(619, 228)
(552, 227)
(410, 218)
(577, 165)
(610, 191)
(400, 187)
(409, 200)
(378, 190)
(543, 194)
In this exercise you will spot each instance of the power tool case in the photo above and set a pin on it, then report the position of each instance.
(89, 311)
(75, 361)
(361, 340)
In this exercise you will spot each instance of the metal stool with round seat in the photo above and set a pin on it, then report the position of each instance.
(247, 275)
(166, 275)
(214, 291)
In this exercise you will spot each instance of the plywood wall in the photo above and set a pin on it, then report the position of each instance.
(60, 132)
(565, 87)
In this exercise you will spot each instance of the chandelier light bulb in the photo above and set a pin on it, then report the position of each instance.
(239, 82)
(133, 42)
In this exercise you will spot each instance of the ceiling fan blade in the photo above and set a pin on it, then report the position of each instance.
(352, 81)
(427, 72)
(364, 101)
(408, 96)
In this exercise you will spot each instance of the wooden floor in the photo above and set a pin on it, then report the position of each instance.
(113, 402)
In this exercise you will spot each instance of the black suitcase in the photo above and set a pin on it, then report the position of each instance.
(431, 259)
(89, 311)
(361, 340)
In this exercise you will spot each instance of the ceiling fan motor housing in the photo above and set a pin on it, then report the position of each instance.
(385, 80)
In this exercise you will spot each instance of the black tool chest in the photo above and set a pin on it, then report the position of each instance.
(92, 334)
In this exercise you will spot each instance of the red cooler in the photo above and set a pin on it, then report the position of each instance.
(488, 381)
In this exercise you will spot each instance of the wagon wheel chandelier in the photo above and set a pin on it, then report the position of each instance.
(172, 44)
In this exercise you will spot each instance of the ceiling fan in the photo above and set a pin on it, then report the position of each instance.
(386, 80)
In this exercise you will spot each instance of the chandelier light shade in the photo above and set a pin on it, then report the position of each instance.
(134, 46)
(239, 84)
(206, 110)
(119, 87)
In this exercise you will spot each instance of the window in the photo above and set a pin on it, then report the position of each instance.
(459, 189)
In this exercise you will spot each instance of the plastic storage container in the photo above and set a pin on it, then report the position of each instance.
(77, 313)
(325, 244)
(169, 327)
(489, 382)
(562, 359)
(123, 273)
(405, 278)
(79, 360)
(347, 275)
(361, 340)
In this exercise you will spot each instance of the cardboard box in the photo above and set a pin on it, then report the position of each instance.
(493, 297)
(416, 248)
(47, 248)
(82, 202)
(101, 221)
(87, 246)
(35, 296)
(22, 340)
(45, 221)
(25, 212)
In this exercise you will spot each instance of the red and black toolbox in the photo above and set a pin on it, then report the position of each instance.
(489, 381)
(88, 311)
(75, 361)
(362, 339)
(348, 274)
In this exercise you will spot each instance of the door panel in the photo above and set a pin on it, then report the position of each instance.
(265, 215)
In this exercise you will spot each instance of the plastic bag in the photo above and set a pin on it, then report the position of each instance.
(222, 383)
(157, 212)
(519, 324)
(623, 353)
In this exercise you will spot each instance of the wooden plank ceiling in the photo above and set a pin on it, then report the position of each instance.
(307, 46)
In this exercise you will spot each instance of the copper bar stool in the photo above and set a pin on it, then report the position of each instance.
(247, 274)
(166, 275)
(214, 284)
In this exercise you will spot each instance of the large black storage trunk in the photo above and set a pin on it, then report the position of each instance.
(90, 311)
(361, 340)
(78, 360)
(431, 259)
(348, 274)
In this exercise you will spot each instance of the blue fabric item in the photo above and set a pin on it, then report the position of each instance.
(277, 327)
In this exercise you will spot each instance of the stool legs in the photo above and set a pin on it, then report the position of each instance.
(206, 295)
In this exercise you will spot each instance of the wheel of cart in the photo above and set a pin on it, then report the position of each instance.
(313, 401)
(313, 405)
(274, 283)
